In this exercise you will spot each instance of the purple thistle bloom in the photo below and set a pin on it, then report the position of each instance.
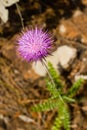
(34, 44)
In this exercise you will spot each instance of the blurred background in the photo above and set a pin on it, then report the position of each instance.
(23, 84)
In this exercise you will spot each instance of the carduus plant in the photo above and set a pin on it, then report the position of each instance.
(34, 44)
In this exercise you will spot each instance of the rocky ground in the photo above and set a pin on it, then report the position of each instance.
(22, 84)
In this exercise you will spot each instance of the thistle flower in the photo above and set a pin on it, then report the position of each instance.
(34, 44)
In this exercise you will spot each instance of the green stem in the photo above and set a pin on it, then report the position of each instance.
(52, 81)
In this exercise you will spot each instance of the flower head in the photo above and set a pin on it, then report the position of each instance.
(34, 44)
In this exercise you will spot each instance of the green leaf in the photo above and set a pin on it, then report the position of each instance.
(48, 105)
(57, 124)
(75, 87)
(55, 75)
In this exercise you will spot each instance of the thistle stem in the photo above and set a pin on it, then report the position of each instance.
(52, 81)
(20, 15)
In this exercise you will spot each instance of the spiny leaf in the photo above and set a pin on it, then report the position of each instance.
(52, 89)
(66, 120)
(57, 124)
(55, 75)
(75, 87)
(64, 115)
(68, 99)
(48, 105)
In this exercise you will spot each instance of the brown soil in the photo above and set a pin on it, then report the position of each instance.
(20, 86)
